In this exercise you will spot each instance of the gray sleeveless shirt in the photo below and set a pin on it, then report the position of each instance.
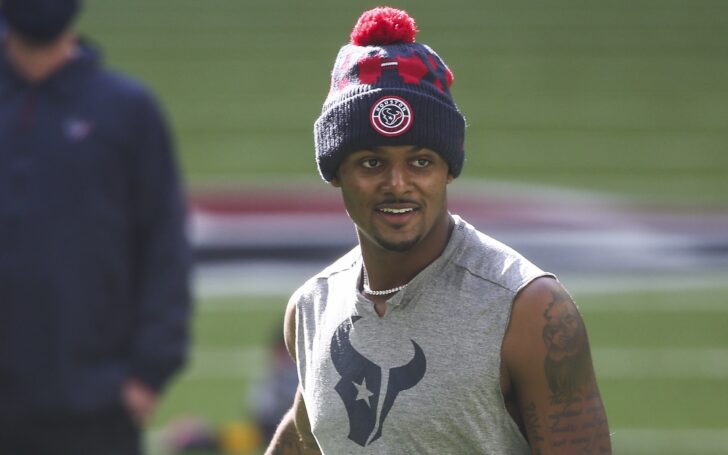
(425, 377)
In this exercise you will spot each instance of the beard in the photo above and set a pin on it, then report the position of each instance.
(397, 247)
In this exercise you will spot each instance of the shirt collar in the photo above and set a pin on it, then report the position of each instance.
(426, 275)
(66, 81)
(430, 273)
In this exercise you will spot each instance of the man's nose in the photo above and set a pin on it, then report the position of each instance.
(397, 178)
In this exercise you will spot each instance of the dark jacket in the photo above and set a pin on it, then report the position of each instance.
(93, 256)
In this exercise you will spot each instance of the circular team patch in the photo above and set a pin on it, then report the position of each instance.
(391, 116)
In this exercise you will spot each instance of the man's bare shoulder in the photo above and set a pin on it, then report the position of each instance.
(546, 351)
(289, 328)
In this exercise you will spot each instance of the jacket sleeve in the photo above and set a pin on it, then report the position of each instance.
(162, 253)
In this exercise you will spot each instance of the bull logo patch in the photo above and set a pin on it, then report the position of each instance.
(367, 391)
(391, 116)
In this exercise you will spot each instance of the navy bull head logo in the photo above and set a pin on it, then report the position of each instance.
(361, 384)
(391, 116)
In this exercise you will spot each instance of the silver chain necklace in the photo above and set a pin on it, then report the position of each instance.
(368, 290)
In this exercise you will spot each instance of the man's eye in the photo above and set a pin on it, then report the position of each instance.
(422, 162)
(371, 163)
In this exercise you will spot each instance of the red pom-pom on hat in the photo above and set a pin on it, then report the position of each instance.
(382, 26)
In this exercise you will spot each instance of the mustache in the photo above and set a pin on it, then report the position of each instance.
(397, 200)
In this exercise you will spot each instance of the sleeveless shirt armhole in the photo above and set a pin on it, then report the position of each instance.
(511, 422)
(528, 280)
(518, 290)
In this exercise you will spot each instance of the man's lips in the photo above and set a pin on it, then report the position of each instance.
(397, 207)
(396, 211)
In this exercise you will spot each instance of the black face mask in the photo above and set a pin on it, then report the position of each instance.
(39, 21)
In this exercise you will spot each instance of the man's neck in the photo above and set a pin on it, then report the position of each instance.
(391, 268)
(36, 63)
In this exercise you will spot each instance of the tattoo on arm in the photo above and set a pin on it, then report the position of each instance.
(580, 421)
(533, 428)
(568, 363)
(581, 426)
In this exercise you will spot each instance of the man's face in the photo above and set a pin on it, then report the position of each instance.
(396, 195)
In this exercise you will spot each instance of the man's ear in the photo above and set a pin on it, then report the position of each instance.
(450, 178)
(335, 181)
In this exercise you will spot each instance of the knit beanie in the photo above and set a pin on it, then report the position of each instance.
(386, 89)
(40, 21)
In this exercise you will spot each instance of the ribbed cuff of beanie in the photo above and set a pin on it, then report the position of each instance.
(346, 127)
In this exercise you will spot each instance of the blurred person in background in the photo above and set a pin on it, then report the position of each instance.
(271, 397)
(429, 337)
(94, 294)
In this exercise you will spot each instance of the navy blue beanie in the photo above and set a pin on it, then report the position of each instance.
(386, 89)
(39, 20)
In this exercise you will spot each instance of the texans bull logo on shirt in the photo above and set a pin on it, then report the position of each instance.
(365, 385)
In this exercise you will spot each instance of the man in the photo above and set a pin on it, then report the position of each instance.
(94, 298)
(429, 337)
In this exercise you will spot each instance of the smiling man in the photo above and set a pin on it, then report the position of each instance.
(429, 337)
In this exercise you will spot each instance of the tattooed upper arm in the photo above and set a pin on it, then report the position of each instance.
(546, 350)
(567, 365)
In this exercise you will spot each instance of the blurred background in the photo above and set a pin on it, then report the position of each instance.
(597, 145)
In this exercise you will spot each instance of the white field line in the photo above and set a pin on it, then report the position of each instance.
(248, 306)
(629, 441)
(659, 441)
(677, 363)
(638, 282)
(275, 280)
(256, 279)
(620, 285)
(612, 363)
(226, 363)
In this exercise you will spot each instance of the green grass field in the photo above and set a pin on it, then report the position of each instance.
(627, 97)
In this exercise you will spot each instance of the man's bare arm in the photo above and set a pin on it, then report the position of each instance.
(293, 436)
(288, 439)
(546, 350)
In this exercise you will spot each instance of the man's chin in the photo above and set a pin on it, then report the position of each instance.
(398, 246)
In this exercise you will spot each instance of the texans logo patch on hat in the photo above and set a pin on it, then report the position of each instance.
(391, 116)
